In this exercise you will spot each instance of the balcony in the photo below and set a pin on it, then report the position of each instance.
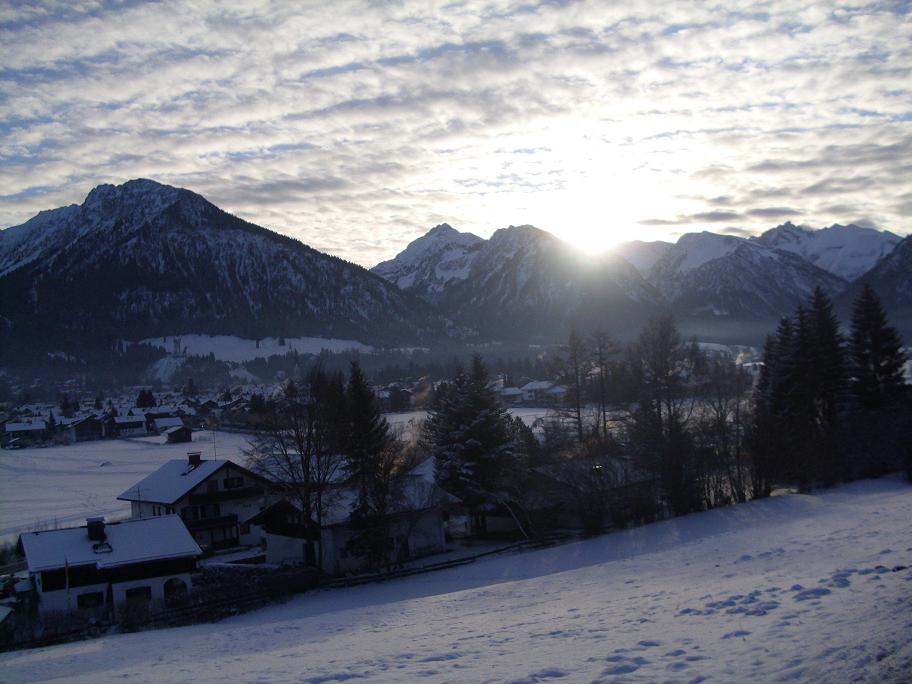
(211, 523)
(225, 495)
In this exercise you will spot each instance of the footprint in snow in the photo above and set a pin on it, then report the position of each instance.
(809, 594)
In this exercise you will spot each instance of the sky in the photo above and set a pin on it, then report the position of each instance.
(358, 126)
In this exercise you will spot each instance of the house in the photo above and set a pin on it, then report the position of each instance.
(556, 394)
(291, 537)
(97, 567)
(416, 526)
(213, 497)
(511, 395)
(176, 435)
(159, 425)
(85, 429)
(25, 432)
(130, 426)
(534, 391)
(160, 418)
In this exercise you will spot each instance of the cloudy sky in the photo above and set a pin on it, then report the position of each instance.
(357, 126)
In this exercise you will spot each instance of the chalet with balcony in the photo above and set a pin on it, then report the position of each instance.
(415, 524)
(96, 568)
(214, 498)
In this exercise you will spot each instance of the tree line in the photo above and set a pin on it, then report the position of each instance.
(653, 429)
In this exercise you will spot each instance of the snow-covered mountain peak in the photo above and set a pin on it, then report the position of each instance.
(430, 262)
(692, 250)
(847, 251)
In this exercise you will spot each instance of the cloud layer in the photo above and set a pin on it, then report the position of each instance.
(355, 126)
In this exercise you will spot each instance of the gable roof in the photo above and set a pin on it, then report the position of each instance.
(177, 477)
(169, 422)
(130, 541)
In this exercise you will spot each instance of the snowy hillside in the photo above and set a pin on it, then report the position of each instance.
(794, 588)
(845, 251)
(432, 262)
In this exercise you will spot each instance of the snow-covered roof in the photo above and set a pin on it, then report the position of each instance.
(172, 481)
(556, 389)
(124, 420)
(131, 541)
(35, 426)
(536, 385)
(174, 429)
(164, 423)
(511, 391)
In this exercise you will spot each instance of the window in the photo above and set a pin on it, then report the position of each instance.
(53, 580)
(139, 594)
(245, 529)
(212, 486)
(233, 482)
(91, 600)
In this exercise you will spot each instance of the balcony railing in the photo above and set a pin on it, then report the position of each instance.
(226, 495)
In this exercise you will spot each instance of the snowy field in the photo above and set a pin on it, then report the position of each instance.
(61, 486)
(239, 349)
(794, 588)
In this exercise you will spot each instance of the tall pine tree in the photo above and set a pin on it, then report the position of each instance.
(877, 357)
(880, 422)
(469, 433)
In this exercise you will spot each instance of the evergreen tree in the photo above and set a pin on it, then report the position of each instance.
(469, 433)
(830, 388)
(51, 423)
(880, 421)
(145, 399)
(190, 388)
(877, 357)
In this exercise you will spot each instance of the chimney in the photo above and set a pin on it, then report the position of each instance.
(193, 458)
(96, 529)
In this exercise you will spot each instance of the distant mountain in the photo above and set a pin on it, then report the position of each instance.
(144, 259)
(523, 284)
(432, 262)
(643, 255)
(891, 278)
(845, 251)
(734, 281)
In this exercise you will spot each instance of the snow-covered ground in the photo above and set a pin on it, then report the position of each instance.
(239, 349)
(793, 588)
(61, 486)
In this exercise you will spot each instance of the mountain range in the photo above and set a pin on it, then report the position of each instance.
(524, 283)
(144, 259)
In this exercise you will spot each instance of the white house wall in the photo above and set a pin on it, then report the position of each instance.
(66, 599)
